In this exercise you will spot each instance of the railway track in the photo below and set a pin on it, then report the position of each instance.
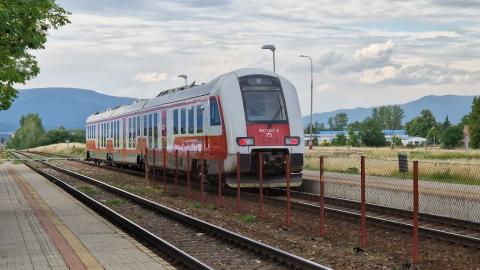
(448, 229)
(192, 242)
(443, 228)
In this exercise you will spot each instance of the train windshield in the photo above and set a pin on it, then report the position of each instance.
(263, 99)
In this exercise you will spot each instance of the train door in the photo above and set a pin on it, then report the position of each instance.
(164, 129)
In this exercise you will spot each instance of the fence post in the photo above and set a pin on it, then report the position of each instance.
(415, 213)
(238, 182)
(176, 173)
(188, 174)
(287, 174)
(145, 163)
(260, 165)
(322, 197)
(165, 169)
(363, 231)
(219, 197)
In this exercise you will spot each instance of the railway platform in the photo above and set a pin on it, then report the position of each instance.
(42, 227)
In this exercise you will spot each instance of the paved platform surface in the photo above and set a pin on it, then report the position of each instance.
(42, 227)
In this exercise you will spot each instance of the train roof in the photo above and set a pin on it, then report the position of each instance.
(174, 95)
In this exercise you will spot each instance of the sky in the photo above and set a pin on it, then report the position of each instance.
(365, 52)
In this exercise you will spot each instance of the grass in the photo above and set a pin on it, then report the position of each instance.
(383, 162)
(5, 155)
(421, 153)
(249, 219)
(69, 149)
(114, 202)
(194, 205)
(197, 205)
(89, 190)
(140, 190)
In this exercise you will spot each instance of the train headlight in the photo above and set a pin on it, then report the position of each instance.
(245, 141)
(292, 141)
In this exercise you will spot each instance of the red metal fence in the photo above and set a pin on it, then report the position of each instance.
(444, 189)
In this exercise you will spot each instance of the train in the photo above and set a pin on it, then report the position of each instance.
(242, 114)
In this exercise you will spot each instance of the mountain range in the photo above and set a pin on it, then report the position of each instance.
(455, 107)
(69, 107)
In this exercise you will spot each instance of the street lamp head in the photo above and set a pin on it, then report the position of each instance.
(301, 55)
(268, 47)
(183, 76)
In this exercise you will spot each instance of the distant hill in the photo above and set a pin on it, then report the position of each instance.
(441, 106)
(69, 107)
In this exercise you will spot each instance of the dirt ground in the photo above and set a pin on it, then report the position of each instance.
(338, 249)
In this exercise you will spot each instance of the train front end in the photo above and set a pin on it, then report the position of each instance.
(262, 122)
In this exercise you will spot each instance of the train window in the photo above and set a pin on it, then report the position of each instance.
(138, 128)
(263, 99)
(103, 135)
(130, 132)
(118, 134)
(150, 134)
(175, 121)
(183, 120)
(134, 132)
(199, 118)
(145, 133)
(191, 128)
(113, 133)
(214, 114)
(155, 130)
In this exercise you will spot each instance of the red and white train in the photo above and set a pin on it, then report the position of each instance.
(249, 111)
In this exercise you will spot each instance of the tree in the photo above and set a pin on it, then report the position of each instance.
(474, 121)
(316, 127)
(433, 135)
(340, 140)
(396, 141)
(388, 117)
(452, 137)
(421, 125)
(29, 134)
(353, 138)
(338, 122)
(24, 25)
(371, 133)
(446, 124)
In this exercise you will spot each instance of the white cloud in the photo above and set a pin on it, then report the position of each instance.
(358, 46)
(151, 77)
(375, 51)
(373, 76)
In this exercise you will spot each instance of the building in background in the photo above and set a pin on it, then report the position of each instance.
(327, 136)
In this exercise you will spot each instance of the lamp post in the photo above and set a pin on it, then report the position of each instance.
(184, 76)
(310, 145)
(271, 48)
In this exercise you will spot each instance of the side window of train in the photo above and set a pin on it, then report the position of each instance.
(138, 131)
(191, 128)
(145, 132)
(175, 121)
(155, 130)
(214, 113)
(183, 121)
(199, 118)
